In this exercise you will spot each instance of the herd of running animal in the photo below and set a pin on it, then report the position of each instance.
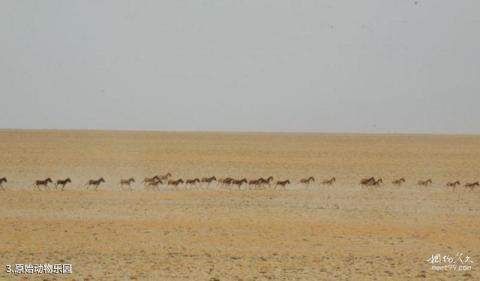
(155, 181)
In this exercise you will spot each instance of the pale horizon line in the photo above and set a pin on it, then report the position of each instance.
(239, 132)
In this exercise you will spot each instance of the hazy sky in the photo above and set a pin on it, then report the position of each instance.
(386, 66)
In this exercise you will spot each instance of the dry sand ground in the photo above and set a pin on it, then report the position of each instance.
(341, 232)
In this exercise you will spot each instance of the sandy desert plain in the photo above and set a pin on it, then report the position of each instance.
(339, 232)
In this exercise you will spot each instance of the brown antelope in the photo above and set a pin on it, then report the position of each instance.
(62, 183)
(329, 182)
(263, 182)
(192, 182)
(424, 182)
(367, 181)
(2, 181)
(146, 181)
(472, 185)
(154, 184)
(260, 182)
(164, 177)
(282, 183)
(307, 181)
(377, 182)
(398, 182)
(371, 182)
(95, 183)
(175, 183)
(239, 183)
(127, 182)
(453, 184)
(225, 181)
(209, 180)
(255, 183)
(43, 183)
